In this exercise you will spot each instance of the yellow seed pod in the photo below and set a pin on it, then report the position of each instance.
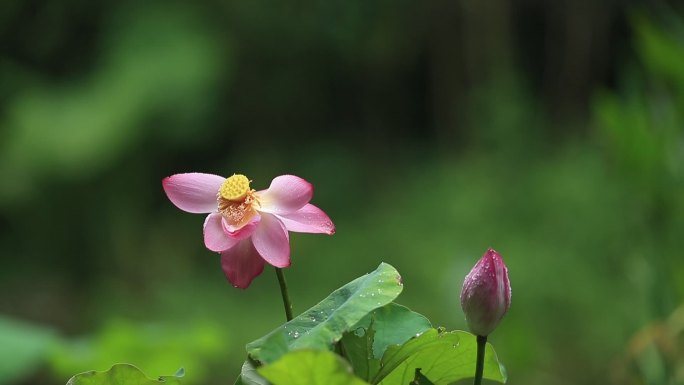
(235, 188)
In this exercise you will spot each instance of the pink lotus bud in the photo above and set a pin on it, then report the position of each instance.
(486, 294)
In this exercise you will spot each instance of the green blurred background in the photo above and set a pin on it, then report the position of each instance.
(551, 131)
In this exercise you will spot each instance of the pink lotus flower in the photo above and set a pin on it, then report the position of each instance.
(486, 294)
(246, 226)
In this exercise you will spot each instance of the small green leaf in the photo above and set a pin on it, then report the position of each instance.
(392, 324)
(420, 379)
(358, 347)
(249, 376)
(275, 345)
(444, 357)
(324, 324)
(310, 367)
(120, 374)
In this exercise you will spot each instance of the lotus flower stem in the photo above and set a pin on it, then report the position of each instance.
(479, 364)
(283, 291)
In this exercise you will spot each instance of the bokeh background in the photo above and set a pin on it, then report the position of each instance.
(551, 131)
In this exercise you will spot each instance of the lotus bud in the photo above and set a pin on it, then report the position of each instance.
(486, 294)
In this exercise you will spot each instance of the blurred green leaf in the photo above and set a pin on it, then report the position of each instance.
(157, 348)
(392, 324)
(643, 125)
(445, 357)
(626, 127)
(120, 374)
(661, 51)
(324, 324)
(310, 367)
(156, 58)
(22, 348)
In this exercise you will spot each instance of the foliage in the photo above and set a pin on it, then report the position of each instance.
(122, 374)
(249, 376)
(644, 126)
(156, 348)
(376, 341)
(383, 343)
(643, 130)
(366, 342)
(444, 357)
(310, 367)
(324, 324)
(408, 133)
(420, 379)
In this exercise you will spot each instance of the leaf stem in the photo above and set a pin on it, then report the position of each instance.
(479, 364)
(283, 291)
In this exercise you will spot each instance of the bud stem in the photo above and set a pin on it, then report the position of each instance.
(479, 364)
(283, 291)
